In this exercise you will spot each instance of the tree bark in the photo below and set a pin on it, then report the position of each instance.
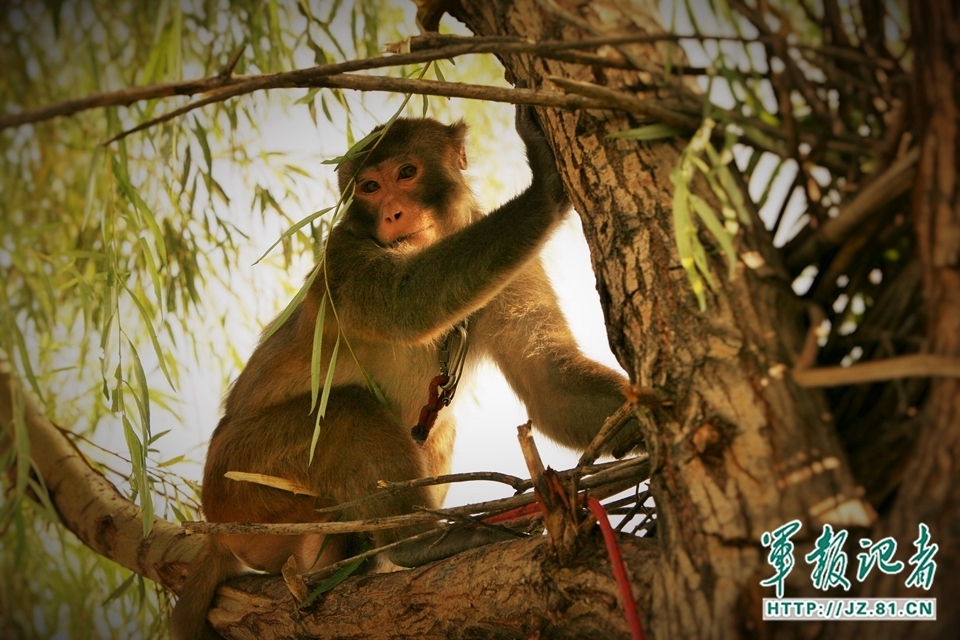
(507, 590)
(746, 450)
(87, 503)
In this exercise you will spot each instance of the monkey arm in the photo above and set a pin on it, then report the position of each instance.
(402, 294)
(419, 296)
(567, 395)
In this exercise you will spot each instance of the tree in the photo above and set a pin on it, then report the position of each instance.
(710, 300)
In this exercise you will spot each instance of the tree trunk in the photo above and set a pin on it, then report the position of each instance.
(745, 449)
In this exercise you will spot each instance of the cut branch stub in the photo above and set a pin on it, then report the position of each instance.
(558, 500)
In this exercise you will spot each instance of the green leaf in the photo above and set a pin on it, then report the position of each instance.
(317, 350)
(715, 227)
(141, 393)
(342, 574)
(309, 97)
(328, 383)
(91, 185)
(119, 591)
(292, 230)
(285, 314)
(327, 387)
(148, 323)
(151, 269)
(683, 230)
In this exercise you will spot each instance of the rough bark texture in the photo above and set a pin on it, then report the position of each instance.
(747, 449)
(508, 590)
(931, 489)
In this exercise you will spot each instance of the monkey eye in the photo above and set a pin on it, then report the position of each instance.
(407, 171)
(369, 186)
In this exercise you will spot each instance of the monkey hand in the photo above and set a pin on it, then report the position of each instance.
(543, 163)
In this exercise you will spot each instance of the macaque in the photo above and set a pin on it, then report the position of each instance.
(412, 257)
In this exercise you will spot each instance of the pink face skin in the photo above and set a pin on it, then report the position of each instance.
(390, 188)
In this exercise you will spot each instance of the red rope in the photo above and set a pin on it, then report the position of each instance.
(613, 551)
(513, 514)
(619, 569)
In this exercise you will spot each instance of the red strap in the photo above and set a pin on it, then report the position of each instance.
(438, 399)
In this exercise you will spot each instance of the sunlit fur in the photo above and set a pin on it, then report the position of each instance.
(396, 296)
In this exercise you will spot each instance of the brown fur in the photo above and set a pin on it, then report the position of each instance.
(412, 257)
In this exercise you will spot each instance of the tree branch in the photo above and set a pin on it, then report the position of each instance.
(88, 504)
(422, 50)
(879, 371)
(506, 590)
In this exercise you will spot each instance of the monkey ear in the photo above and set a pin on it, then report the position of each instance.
(458, 142)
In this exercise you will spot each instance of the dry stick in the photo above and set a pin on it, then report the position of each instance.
(461, 46)
(517, 484)
(389, 488)
(611, 427)
(608, 478)
(216, 95)
(392, 85)
(530, 454)
(304, 528)
(893, 182)
(617, 99)
(912, 366)
(609, 481)
(811, 343)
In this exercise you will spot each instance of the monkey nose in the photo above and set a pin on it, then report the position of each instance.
(393, 217)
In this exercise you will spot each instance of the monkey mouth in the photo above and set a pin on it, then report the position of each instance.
(414, 237)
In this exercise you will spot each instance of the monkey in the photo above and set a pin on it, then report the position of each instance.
(412, 256)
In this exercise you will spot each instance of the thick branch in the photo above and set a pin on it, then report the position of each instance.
(507, 590)
(88, 504)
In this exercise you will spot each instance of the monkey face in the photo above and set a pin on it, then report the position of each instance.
(409, 189)
(393, 191)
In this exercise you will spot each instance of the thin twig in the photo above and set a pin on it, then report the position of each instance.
(390, 488)
(302, 77)
(895, 181)
(611, 426)
(912, 366)
(594, 477)
(620, 100)
(394, 85)
(304, 528)
(232, 63)
(219, 95)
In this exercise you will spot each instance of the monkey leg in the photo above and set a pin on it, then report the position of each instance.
(361, 443)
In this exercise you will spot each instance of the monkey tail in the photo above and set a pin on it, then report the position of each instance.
(214, 564)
